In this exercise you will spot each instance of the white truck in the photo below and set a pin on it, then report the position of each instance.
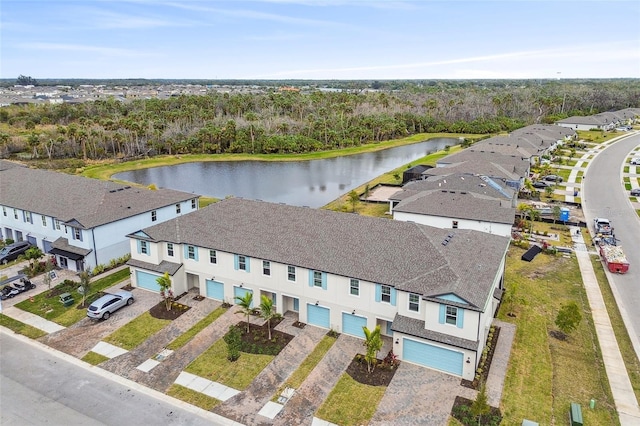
(602, 226)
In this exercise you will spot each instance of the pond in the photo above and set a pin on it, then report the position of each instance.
(313, 183)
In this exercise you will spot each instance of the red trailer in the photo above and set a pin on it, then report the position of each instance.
(614, 258)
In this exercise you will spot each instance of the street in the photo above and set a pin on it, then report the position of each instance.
(604, 196)
(39, 386)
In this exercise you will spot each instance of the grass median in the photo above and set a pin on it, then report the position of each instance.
(137, 331)
(20, 327)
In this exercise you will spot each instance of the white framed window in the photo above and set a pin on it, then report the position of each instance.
(291, 273)
(266, 267)
(144, 247)
(170, 249)
(213, 256)
(191, 252)
(354, 287)
(177, 208)
(56, 224)
(4, 211)
(242, 262)
(385, 294)
(154, 216)
(44, 221)
(451, 316)
(27, 217)
(193, 203)
(414, 302)
(77, 234)
(317, 279)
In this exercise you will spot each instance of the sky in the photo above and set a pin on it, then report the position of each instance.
(317, 40)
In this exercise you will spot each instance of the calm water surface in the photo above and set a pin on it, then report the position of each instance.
(300, 183)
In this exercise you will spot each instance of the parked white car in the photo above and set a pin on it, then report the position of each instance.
(108, 304)
(635, 161)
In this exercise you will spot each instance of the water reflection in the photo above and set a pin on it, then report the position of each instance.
(302, 183)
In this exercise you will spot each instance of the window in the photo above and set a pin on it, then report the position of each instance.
(455, 224)
(27, 217)
(170, 249)
(77, 234)
(354, 287)
(4, 211)
(291, 273)
(193, 203)
(56, 224)
(15, 214)
(144, 248)
(386, 294)
(177, 208)
(154, 216)
(213, 256)
(317, 279)
(414, 302)
(44, 220)
(242, 263)
(266, 267)
(451, 316)
(191, 252)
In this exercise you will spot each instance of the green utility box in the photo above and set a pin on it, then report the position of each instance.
(575, 415)
(67, 299)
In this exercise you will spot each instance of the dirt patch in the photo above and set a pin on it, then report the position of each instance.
(558, 335)
(160, 310)
(299, 325)
(127, 287)
(256, 341)
(198, 298)
(381, 375)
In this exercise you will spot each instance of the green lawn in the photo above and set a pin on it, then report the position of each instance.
(94, 358)
(213, 365)
(184, 338)
(351, 402)
(192, 397)
(20, 327)
(545, 374)
(50, 307)
(137, 331)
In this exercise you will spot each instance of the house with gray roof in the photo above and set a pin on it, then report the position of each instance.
(434, 291)
(589, 122)
(82, 222)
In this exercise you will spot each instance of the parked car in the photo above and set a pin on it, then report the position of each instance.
(553, 178)
(541, 184)
(635, 192)
(12, 251)
(109, 303)
(635, 161)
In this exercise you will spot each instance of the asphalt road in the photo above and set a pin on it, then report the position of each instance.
(39, 386)
(604, 196)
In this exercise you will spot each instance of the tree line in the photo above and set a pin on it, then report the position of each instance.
(289, 121)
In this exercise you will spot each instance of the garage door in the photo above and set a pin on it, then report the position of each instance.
(352, 324)
(215, 290)
(147, 280)
(317, 315)
(240, 292)
(433, 356)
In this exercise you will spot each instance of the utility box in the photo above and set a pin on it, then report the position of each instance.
(67, 299)
(575, 415)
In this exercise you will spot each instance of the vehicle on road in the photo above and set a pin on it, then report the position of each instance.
(109, 303)
(541, 184)
(614, 258)
(553, 178)
(635, 192)
(635, 161)
(602, 226)
(12, 251)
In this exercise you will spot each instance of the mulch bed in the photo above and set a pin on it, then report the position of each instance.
(127, 287)
(256, 341)
(160, 310)
(198, 298)
(485, 363)
(462, 411)
(299, 325)
(380, 376)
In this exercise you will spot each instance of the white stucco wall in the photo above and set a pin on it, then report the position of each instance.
(447, 223)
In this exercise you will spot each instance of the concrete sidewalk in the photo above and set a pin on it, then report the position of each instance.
(32, 319)
(623, 395)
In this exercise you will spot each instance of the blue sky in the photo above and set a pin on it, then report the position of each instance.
(322, 39)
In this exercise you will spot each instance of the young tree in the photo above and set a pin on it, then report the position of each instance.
(233, 339)
(568, 317)
(245, 306)
(353, 199)
(373, 343)
(165, 289)
(480, 407)
(33, 254)
(557, 211)
(266, 311)
(548, 190)
(85, 283)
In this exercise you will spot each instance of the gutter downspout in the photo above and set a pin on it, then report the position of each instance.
(93, 241)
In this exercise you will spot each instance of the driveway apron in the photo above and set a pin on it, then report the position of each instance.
(82, 336)
(299, 410)
(125, 365)
(245, 406)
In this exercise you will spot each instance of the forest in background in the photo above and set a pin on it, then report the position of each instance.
(297, 121)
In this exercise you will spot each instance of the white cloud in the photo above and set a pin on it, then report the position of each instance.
(108, 51)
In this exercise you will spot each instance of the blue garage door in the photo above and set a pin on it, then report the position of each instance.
(240, 292)
(317, 315)
(352, 324)
(215, 290)
(432, 356)
(147, 280)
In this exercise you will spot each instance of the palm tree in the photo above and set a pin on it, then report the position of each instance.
(165, 289)
(245, 303)
(373, 343)
(267, 312)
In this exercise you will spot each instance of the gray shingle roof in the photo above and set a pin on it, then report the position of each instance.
(456, 182)
(479, 166)
(458, 204)
(406, 255)
(415, 327)
(164, 266)
(90, 202)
